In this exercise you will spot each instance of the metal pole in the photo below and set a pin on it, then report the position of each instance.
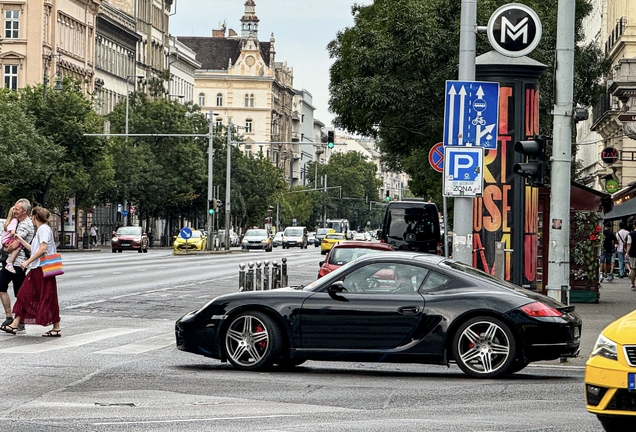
(445, 228)
(125, 203)
(227, 185)
(464, 205)
(559, 247)
(210, 178)
(325, 215)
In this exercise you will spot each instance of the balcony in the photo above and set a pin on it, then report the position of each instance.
(615, 35)
(602, 110)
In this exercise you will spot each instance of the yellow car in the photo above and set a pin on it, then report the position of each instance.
(330, 239)
(610, 375)
(197, 242)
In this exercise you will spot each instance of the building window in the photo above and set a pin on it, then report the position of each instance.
(201, 99)
(219, 99)
(11, 77)
(11, 24)
(219, 122)
(252, 100)
(248, 126)
(247, 100)
(248, 151)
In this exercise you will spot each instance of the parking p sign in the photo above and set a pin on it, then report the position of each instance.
(463, 171)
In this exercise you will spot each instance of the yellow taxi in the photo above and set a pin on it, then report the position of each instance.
(197, 242)
(610, 375)
(330, 239)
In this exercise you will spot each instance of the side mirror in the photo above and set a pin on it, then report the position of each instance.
(337, 287)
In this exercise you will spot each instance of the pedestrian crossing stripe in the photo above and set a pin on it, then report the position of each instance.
(78, 340)
(142, 346)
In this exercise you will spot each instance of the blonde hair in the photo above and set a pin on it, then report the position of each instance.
(9, 218)
(41, 214)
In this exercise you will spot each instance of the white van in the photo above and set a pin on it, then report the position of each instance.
(295, 236)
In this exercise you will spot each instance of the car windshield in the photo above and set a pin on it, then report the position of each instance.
(195, 234)
(278, 234)
(295, 232)
(335, 236)
(341, 256)
(323, 231)
(256, 233)
(129, 231)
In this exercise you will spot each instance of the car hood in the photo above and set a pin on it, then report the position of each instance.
(623, 330)
(128, 236)
(190, 240)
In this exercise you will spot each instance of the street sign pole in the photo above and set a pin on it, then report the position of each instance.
(463, 215)
(559, 248)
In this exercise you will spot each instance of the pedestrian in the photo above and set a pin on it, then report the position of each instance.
(94, 235)
(621, 246)
(37, 301)
(607, 252)
(9, 244)
(24, 230)
(631, 255)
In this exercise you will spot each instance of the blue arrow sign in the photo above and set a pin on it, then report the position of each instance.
(185, 233)
(471, 114)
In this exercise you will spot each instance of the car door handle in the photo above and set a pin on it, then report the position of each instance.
(409, 310)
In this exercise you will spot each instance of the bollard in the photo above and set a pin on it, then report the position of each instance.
(283, 272)
(266, 275)
(249, 284)
(241, 277)
(275, 275)
(258, 286)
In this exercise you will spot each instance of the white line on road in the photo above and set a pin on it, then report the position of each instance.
(70, 341)
(195, 420)
(142, 346)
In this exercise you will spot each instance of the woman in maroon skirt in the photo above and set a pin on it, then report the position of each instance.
(37, 299)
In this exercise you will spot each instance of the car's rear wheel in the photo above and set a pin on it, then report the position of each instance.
(517, 366)
(484, 347)
(288, 363)
(252, 341)
(616, 423)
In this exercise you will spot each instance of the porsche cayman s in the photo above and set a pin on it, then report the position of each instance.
(400, 307)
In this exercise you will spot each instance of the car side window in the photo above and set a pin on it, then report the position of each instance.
(385, 278)
(434, 281)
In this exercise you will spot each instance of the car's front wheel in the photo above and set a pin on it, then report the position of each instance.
(252, 341)
(484, 347)
(114, 250)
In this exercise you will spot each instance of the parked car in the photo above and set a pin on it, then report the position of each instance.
(330, 240)
(321, 233)
(400, 307)
(295, 236)
(129, 238)
(347, 251)
(278, 239)
(234, 238)
(198, 241)
(257, 239)
(360, 236)
(610, 375)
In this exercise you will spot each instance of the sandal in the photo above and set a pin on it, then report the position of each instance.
(53, 333)
(8, 329)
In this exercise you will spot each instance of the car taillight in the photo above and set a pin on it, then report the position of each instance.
(538, 309)
(382, 241)
(325, 241)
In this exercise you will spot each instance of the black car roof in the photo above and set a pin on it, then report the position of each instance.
(401, 256)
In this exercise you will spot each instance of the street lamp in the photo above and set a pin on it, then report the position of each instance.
(228, 168)
(210, 176)
(58, 80)
(127, 97)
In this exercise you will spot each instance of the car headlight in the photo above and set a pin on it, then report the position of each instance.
(245, 241)
(114, 240)
(137, 239)
(604, 347)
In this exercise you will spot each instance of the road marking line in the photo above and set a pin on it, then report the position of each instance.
(196, 420)
(142, 346)
(69, 341)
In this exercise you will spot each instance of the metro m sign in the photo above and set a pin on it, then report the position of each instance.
(514, 30)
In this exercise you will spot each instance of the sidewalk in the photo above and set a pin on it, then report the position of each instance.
(617, 299)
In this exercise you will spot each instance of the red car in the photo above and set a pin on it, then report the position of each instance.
(129, 238)
(343, 252)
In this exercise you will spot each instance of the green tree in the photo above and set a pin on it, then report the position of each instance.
(297, 203)
(387, 80)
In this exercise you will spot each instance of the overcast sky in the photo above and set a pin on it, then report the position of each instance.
(302, 29)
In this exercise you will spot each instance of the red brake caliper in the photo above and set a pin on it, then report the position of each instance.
(262, 344)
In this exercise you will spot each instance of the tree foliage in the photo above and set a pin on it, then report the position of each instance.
(390, 68)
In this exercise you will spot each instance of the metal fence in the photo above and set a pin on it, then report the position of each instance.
(261, 276)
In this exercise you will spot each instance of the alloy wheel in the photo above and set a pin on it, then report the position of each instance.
(484, 347)
(247, 341)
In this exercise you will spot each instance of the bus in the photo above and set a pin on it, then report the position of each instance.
(339, 225)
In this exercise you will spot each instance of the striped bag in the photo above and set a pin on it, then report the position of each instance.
(51, 265)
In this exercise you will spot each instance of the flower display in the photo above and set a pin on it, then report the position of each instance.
(588, 238)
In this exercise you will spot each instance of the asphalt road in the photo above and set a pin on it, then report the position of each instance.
(116, 367)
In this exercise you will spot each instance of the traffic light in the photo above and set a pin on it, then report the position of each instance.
(212, 206)
(388, 196)
(535, 167)
(330, 139)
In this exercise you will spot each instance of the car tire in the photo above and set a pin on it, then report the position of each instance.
(287, 363)
(517, 366)
(616, 423)
(140, 250)
(113, 250)
(489, 356)
(323, 252)
(252, 341)
(119, 251)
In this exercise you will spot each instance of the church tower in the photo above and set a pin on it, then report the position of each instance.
(249, 21)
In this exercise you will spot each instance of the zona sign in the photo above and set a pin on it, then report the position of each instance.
(514, 30)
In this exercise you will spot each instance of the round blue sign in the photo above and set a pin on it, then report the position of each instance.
(124, 213)
(186, 233)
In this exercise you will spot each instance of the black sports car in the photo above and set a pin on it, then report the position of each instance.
(397, 307)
